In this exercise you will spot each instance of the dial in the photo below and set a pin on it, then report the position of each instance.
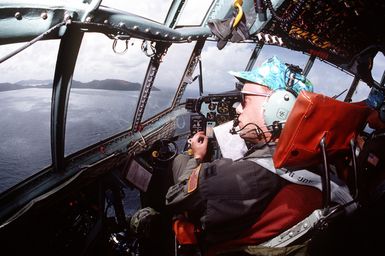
(223, 108)
(211, 106)
(221, 119)
(211, 116)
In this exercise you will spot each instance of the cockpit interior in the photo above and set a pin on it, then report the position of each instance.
(98, 98)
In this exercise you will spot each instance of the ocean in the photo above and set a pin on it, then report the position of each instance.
(93, 115)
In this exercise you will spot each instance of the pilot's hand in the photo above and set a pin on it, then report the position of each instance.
(199, 145)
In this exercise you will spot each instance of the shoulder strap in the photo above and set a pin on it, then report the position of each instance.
(339, 193)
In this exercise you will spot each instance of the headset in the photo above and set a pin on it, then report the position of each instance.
(276, 108)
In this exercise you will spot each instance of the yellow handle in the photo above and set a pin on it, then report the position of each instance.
(238, 5)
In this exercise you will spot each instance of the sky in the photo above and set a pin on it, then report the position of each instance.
(97, 59)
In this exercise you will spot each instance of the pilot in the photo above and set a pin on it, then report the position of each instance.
(224, 197)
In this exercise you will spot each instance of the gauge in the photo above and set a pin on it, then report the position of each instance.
(223, 108)
(221, 119)
(211, 115)
(212, 106)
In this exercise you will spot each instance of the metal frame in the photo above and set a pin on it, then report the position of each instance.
(187, 76)
(152, 69)
(254, 56)
(65, 65)
(352, 89)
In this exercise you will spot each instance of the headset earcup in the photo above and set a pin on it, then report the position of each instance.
(278, 106)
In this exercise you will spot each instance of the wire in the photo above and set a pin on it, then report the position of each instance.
(260, 134)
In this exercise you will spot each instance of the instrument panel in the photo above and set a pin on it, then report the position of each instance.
(212, 110)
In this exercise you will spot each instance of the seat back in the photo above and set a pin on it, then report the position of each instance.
(313, 117)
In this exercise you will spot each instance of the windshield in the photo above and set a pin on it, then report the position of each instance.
(25, 103)
(168, 78)
(199, 8)
(104, 91)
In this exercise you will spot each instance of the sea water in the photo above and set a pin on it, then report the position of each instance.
(93, 115)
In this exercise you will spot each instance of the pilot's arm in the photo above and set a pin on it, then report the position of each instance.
(183, 165)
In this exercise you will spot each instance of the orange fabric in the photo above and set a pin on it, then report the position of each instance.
(193, 180)
(292, 204)
(314, 116)
(184, 231)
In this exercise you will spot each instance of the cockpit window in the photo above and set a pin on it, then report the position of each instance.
(155, 10)
(199, 8)
(361, 93)
(168, 78)
(377, 71)
(217, 63)
(378, 67)
(284, 54)
(25, 103)
(329, 81)
(105, 90)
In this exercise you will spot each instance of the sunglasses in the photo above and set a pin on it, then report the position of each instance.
(244, 93)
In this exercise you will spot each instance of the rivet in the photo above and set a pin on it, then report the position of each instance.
(291, 234)
(166, 35)
(88, 19)
(67, 16)
(157, 33)
(18, 16)
(135, 27)
(147, 30)
(286, 97)
(189, 39)
(105, 22)
(44, 15)
(173, 38)
(305, 225)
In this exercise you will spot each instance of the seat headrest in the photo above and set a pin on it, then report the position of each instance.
(313, 117)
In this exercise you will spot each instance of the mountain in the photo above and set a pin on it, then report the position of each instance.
(10, 87)
(33, 82)
(106, 84)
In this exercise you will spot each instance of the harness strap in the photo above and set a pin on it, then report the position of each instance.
(339, 192)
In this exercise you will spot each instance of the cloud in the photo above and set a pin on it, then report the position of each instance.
(36, 62)
(378, 66)
(152, 9)
(198, 7)
(98, 61)
(216, 64)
